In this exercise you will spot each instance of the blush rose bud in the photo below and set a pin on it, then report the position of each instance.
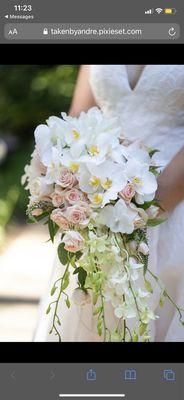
(73, 241)
(127, 193)
(58, 217)
(143, 248)
(133, 245)
(37, 212)
(66, 178)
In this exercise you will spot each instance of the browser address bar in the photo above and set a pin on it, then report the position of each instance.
(65, 32)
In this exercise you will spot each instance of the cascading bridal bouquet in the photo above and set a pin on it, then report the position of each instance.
(97, 191)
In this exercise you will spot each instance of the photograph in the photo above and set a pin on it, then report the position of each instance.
(92, 203)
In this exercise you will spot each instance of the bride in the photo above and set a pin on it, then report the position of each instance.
(150, 102)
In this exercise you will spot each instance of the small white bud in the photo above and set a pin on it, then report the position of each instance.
(133, 245)
(152, 211)
(143, 248)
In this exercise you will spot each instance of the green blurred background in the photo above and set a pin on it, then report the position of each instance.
(28, 95)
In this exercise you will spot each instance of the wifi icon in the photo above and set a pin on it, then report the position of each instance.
(159, 10)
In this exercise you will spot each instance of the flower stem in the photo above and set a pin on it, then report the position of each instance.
(179, 309)
(56, 317)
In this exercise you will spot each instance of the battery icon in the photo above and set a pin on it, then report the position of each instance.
(170, 10)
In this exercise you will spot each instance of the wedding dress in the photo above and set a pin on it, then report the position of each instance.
(152, 111)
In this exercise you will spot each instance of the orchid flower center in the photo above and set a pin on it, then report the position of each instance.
(137, 180)
(97, 198)
(107, 184)
(93, 150)
(74, 166)
(94, 181)
(76, 134)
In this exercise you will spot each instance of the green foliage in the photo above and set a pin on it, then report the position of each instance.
(82, 274)
(31, 93)
(155, 221)
(62, 254)
(53, 229)
(66, 280)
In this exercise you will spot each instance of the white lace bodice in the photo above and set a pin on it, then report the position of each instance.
(153, 111)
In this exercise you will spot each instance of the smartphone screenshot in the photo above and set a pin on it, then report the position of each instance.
(92, 200)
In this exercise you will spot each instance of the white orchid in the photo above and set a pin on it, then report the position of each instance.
(137, 151)
(39, 189)
(125, 311)
(102, 182)
(119, 218)
(47, 137)
(144, 181)
(92, 137)
(34, 169)
(54, 163)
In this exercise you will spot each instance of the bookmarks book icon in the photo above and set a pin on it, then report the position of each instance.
(130, 375)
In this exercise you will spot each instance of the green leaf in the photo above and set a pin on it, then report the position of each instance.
(48, 309)
(148, 204)
(161, 301)
(62, 254)
(72, 261)
(82, 276)
(78, 255)
(67, 301)
(135, 337)
(95, 298)
(58, 321)
(53, 290)
(155, 221)
(76, 271)
(31, 220)
(53, 228)
(97, 310)
(142, 329)
(152, 152)
(148, 286)
(66, 280)
(99, 326)
(154, 170)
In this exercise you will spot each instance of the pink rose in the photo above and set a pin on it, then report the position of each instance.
(73, 196)
(152, 211)
(73, 241)
(143, 248)
(58, 199)
(85, 206)
(59, 218)
(37, 212)
(139, 222)
(127, 193)
(66, 178)
(76, 214)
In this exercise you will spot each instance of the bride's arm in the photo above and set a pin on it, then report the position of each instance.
(171, 183)
(83, 98)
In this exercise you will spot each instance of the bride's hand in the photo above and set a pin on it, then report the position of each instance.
(170, 190)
